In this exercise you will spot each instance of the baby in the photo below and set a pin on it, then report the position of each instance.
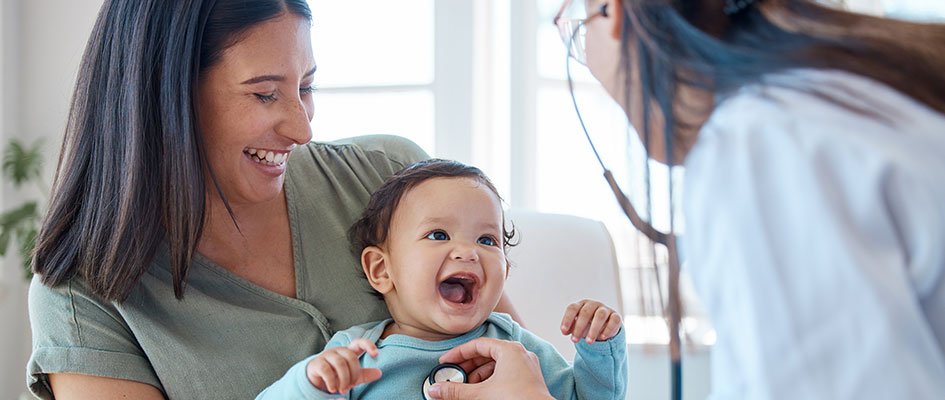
(433, 243)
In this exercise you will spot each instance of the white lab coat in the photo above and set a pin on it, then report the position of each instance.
(815, 236)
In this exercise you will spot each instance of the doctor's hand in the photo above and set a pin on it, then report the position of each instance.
(338, 369)
(590, 320)
(512, 371)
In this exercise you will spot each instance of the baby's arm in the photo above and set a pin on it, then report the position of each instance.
(336, 370)
(600, 367)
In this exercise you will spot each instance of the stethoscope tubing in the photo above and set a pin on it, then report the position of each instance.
(648, 230)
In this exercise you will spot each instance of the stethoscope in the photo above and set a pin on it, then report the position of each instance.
(667, 239)
(443, 373)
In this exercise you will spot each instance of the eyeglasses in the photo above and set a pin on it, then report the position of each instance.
(573, 30)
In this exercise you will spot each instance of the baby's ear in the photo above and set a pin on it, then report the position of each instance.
(374, 263)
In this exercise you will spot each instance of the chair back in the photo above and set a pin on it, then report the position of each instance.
(560, 259)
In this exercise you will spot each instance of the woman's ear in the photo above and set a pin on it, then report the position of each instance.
(616, 14)
(374, 263)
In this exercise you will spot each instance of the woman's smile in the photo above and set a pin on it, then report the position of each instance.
(270, 162)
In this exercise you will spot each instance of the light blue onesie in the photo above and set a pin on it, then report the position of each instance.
(599, 371)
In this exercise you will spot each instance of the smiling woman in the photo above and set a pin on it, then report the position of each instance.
(185, 190)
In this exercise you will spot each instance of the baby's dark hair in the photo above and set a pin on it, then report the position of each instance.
(374, 225)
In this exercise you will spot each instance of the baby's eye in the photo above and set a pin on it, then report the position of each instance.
(487, 241)
(438, 235)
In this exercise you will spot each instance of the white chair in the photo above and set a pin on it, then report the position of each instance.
(560, 259)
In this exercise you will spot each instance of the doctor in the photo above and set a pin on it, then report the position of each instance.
(814, 146)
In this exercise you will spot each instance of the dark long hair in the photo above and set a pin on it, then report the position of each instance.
(693, 43)
(131, 169)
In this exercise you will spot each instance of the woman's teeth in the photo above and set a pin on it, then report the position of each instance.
(267, 157)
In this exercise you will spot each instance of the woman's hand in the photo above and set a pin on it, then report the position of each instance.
(512, 371)
(590, 320)
(338, 369)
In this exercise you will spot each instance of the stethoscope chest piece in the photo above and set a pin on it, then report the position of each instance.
(443, 373)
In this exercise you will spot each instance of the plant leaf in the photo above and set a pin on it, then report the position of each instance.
(22, 163)
(14, 221)
(5, 235)
(16, 216)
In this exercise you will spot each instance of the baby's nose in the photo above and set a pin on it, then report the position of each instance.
(464, 253)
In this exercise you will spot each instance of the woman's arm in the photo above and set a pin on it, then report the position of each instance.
(505, 306)
(82, 387)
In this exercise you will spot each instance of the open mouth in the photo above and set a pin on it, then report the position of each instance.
(459, 288)
(267, 157)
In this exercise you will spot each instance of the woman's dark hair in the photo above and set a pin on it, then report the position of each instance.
(131, 169)
(373, 226)
(676, 43)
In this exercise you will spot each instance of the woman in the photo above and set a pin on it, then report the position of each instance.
(195, 244)
(813, 141)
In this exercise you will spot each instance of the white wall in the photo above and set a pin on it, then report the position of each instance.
(41, 42)
(14, 333)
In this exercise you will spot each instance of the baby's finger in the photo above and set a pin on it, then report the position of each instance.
(360, 346)
(318, 382)
(597, 324)
(567, 322)
(324, 371)
(351, 358)
(614, 323)
(342, 372)
(583, 321)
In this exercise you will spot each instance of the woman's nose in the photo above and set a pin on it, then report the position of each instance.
(296, 122)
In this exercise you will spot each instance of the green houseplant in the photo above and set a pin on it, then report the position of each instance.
(22, 166)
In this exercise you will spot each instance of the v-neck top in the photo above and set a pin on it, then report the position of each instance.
(229, 338)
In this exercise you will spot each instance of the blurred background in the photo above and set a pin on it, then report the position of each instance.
(480, 81)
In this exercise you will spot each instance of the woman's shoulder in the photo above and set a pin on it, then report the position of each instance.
(814, 111)
(56, 312)
(382, 149)
(74, 330)
(822, 98)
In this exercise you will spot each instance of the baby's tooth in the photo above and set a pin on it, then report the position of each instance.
(270, 156)
(251, 151)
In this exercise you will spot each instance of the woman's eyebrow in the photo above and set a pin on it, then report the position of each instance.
(275, 78)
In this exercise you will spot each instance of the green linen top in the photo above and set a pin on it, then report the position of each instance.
(229, 338)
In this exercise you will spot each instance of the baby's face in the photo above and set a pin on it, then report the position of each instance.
(446, 258)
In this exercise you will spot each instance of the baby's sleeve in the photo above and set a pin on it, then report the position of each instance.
(75, 332)
(599, 370)
(295, 385)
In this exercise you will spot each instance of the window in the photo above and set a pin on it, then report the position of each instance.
(483, 82)
(478, 82)
(379, 79)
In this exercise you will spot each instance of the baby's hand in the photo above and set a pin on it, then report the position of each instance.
(590, 320)
(337, 370)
